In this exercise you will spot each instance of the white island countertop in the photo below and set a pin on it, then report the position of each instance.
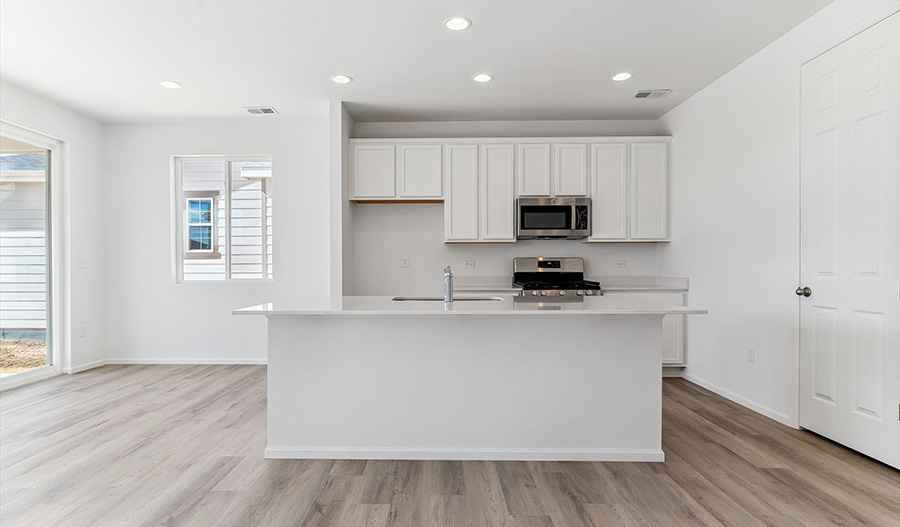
(504, 305)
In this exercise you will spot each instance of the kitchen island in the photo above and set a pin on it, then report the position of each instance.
(512, 378)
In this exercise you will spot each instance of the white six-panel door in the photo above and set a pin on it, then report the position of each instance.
(850, 243)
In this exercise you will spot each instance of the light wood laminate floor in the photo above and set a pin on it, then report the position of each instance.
(183, 445)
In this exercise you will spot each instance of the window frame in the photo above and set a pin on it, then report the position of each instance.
(200, 254)
(179, 217)
(58, 312)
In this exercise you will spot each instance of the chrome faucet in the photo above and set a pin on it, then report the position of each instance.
(448, 284)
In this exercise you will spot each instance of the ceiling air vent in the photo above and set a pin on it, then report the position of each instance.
(651, 94)
(260, 110)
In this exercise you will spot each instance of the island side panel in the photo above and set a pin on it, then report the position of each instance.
(532, 387)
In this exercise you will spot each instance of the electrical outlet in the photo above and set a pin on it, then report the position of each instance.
(83, 331)
(620, 264)
(404, 262)
(82, 262)
(751, 354)
(469, 264)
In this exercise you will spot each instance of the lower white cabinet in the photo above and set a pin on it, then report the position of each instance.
(674, 326)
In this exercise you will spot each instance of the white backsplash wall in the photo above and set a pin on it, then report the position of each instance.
(384, 234)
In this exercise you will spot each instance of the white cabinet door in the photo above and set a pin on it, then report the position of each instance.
(609, 191)
(419, 171)
(461, 201)
(571, 169)
(373, 171)
(497, 193)
(649, 192)
(673, 330)
(534, 169)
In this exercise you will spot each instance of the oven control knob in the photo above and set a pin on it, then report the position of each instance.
(579, 292)
(589, 293)
(543, 293)
(562, 293)
(534, 293)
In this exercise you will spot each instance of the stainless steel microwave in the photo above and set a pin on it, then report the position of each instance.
(547, 218)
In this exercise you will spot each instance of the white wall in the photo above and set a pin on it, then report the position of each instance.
(153, 319)
(505, 128)
(383, 234)
(83, 217)
(734, 210)
(341, 209)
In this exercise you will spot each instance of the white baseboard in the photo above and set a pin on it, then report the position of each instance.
(187, 361)
(456, 454)
(741, 400)
(672, 371)
(86, 366)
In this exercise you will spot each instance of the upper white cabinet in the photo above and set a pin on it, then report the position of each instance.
(373, 171)
(629, 192)
(479, 180)
(497, 192)
(461, 205)
(534, 169)
(609, 192)
(649, 191)
(480, 193)
(384, 171)
(419, 171)
(571, 169)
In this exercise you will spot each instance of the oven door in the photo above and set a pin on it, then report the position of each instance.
(551, 218)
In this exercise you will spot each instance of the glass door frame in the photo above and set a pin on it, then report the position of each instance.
(57, 338)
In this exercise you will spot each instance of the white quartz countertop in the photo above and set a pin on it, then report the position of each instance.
(505, 305)
(503, 285)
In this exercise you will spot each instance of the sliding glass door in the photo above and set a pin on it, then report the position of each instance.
(25, 257)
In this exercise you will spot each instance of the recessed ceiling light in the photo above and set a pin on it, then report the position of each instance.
(341, 79)
(457, 23)
(483, 77)
(619, 77)
(172, 85)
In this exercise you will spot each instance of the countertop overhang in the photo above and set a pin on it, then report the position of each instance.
(506, 305)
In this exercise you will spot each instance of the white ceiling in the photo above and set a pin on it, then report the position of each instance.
(551, 60)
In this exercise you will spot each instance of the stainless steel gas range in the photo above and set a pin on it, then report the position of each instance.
(559, 278)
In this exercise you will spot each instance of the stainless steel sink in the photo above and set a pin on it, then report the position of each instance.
(441, 299)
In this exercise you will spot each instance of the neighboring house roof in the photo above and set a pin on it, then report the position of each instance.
(22, 162)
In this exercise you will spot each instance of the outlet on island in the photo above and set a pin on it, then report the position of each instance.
(620, 264)
(404, 262)
(468, 264)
